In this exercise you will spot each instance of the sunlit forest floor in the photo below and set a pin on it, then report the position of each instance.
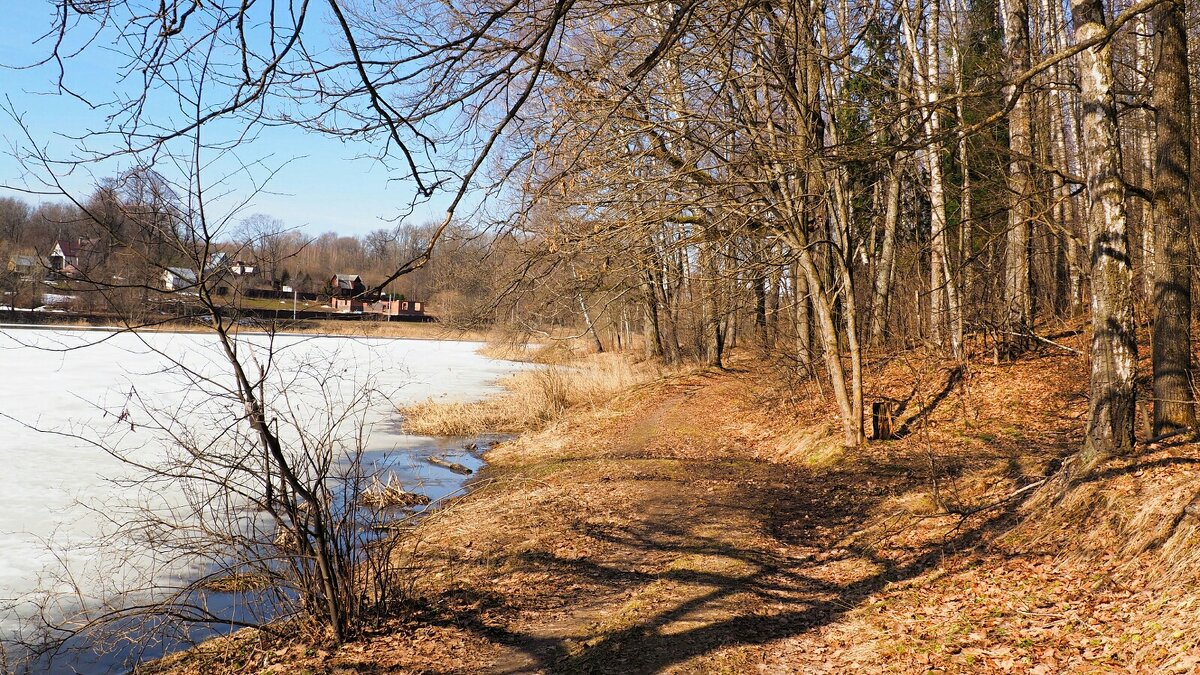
(710, 522)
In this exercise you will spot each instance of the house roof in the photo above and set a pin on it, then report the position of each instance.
(26, 260)
(183, 274)
(68, 248)
(72, 248)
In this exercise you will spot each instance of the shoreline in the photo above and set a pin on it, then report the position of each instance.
(449, 336)
(480, 478)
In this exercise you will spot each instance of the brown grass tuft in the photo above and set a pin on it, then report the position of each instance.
(1130, 507)
(533, 399)
(390, 495)
(236, 582)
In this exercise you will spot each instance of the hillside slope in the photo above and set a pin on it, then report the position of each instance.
(709, 522)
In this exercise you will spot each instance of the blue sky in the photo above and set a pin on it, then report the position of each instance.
(323, 185)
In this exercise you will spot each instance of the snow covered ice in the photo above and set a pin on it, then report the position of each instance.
(60, 384)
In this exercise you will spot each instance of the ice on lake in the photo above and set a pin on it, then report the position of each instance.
(69, 395)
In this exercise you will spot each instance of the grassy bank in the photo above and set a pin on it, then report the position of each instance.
(708, 521)
(532, 399)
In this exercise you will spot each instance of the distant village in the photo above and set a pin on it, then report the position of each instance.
(60, 280)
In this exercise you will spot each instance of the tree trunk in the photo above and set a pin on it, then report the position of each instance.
(654, 341)
(944, 310)
(887, 253)
(1172, 307)
(1114, 344)
(801, 315)
(1018, 318)
(758, 281)
(849, 401)
(1145, 147)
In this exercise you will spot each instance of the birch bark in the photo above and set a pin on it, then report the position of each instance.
(1114, 344)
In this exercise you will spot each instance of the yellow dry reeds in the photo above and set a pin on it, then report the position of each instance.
(552, 352)
(532, 399)
(237, 582)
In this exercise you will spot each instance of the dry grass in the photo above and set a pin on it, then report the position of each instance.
(710, 523)
(237, 583)
(552, 352)
(390, 495)
(532, 399)
(1134, 508)
(390, 329)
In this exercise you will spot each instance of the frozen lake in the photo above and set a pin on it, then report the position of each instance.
(70, 395)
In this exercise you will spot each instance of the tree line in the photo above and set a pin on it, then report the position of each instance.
(879, 175)
(132, 239)
(830, 175)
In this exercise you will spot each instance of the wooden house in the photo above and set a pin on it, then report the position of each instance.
(346, 286)
(26, 265)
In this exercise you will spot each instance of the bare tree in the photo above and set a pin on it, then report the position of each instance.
(1114, 344)
(1018, 296)
(1174, 406)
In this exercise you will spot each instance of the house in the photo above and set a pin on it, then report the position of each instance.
(346, 286)
(355, 305)
(395, 306)
(345, 293)
(71, 257)
(25, 265)
(177, 278)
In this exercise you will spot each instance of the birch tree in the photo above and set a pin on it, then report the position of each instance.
(1018, 311)
(1114, 343)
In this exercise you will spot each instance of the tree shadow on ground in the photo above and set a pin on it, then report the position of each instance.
(741, 570)
(953, 377)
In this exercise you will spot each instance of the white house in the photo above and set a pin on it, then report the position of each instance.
(176, 278)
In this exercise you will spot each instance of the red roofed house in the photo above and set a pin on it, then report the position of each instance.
(72, 257)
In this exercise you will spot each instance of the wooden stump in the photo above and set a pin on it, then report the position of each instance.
(881, 420)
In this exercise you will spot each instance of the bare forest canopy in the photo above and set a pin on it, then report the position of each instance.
(828, 177)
